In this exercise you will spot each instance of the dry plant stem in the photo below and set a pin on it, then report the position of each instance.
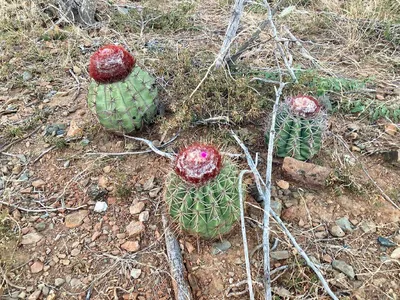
(243, 226)
(267, 194)
(277, 41)
(43, 153)
(384, 195)
(259, 180)
(48, 209)
(151, 146)
(6, 147)
(181, 287)
(230, 32)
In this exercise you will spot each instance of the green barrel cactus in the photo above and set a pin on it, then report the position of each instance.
(300, 123)
(122, 96)
(202, 192)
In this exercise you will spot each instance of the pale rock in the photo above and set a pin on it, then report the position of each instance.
(135, 227)
(37, 267)
(75, 219)
(135, 273)
(336, 231)
(100, 206)
(283, 184)
(137, 208)
(103, 182)
(31, 238)
(144, 216)
(35, 295)
(38, 183)
(395, 254)
(131, 246)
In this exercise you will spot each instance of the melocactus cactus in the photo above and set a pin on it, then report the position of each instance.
(300, 123)
(121, 95)
(202, 191)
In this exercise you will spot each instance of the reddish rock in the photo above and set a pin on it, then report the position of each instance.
(36, 267)
(284, 185)
(75, 219)
(306, 173)
(290, 214)
(131, 246)
(135, 228)
(130, 296)
(38, 183)
(95, 235)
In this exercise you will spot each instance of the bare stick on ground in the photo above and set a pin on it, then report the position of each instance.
(181, 287)
(230, 32)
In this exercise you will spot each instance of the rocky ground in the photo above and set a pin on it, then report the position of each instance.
(79, 223)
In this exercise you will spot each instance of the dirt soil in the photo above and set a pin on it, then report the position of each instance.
(56, 163)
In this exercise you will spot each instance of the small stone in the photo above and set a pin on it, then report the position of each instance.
(26, 76)
(74, 130)
(36, 267)
(336, 231)
(75, 252)
(131, 246)
(282, 292)
(391, 129)
(344, 224)
(35, 295)
(386, 242)
(75, 283)
(144, 216)
(100, 206)
(75, 219)
(395, 254)
(276, 206)
(40, 226)
(284, 185)
(51, 296)
(135, 228)
(65, 262)
(38, 183)
(45, 290)
(321, 234)
(343, 267)
(17, 169)
(220, 247)
(59, 282)
(21, 295)
(149, 184)
(103, 182)
(77, 70)
(95, 235)
(154, 192)
(308, 174)
(368, 227)
(135, 273)
(31, 238)
(190, 248)
(280, 255)
(137, 208)
(107, 169)
(327, 258)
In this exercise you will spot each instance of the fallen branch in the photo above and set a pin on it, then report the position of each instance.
(43, 153)
(181, 287)
(151, 146)
(230, 32)
(6, 147)
(45, 209)
(243, 226)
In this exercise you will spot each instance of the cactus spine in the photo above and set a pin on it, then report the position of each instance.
(300, 122)
(202, 192)
(121, 95)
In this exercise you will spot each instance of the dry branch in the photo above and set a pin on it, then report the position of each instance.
(230, 32)
(181, 287)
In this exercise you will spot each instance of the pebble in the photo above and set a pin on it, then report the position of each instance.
(154, 192)
(40, 226)
(107, 169)
(35, 295)
(220, 247)
(22, 295)
(75, 283)
(26, 76)
(336, 231)
(344, 224)
(75, 219)
(137, 208)
(386, 242)
(38, 183)
(31, 238)
(149, 184)
(284, 185)
(134, 228)
(144, 216)
(75, 252)
(59, 282)
(36, 267)
(276, 206)
(280, 255)
(100, 206)
(395, 254)
(135, 273)
(95, 235)
(131, 246)
(321, 234)
(103, 182)
(343, 267)
(368, 227)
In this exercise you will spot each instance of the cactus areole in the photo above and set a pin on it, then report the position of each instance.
(111, 63)
(198, 163)
(304, 106)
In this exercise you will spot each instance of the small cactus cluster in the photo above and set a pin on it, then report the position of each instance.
(202, 192)
(300, 123)
(122, 96)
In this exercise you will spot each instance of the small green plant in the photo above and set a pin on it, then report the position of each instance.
(373, 109)
(202, 192)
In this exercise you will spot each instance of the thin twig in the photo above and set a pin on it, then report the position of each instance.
(43, 153)
(46, 209)
(243, 226)
(230, 32)
(78, 83)
(151, 146)
(6, 147)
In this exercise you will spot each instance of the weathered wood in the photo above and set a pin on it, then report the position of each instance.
(78, 11)
(180, 285)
